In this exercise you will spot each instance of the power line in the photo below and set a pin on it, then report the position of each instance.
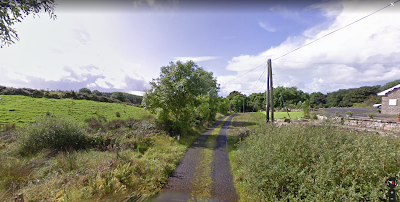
(335, 30)
(247, 72)
(391, 4)
(340, 62)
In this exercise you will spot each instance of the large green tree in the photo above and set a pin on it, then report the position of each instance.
(12, 11)
(178, 91)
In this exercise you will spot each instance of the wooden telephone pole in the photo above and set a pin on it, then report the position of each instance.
(270, 93)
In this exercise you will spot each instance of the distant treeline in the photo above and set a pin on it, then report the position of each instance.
(293, 98)
(83, 94)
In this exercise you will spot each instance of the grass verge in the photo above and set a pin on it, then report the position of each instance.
(313, 163)
(125, 160)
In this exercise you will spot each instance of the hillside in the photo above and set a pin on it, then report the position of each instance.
(21, 109)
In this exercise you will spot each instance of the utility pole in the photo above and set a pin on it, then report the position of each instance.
(243, 104)
(270, 93)
(267, 93)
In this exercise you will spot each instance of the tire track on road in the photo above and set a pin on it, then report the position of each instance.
(188, 183)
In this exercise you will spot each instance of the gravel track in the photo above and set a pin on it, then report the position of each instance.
(179, 186)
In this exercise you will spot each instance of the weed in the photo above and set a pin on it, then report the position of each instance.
(58, 133)
(316, 163)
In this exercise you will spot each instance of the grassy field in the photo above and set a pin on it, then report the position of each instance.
(282, 115)
(313, 163)
(128, 159)
(21, 109)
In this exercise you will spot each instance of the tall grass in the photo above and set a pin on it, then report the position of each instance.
(49, 132)
(315, 163)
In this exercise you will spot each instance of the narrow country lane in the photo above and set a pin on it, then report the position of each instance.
(204, 173)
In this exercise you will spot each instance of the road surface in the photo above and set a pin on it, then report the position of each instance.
(181, 187)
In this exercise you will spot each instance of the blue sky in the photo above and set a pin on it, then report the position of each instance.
(121, 46)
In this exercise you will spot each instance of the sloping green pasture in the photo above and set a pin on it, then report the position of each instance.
(21, 109)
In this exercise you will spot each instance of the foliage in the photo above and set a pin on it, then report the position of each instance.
(306, 108)
(256, 102)
(85, 90)
(237, 103)
(178, 91)
(389, 85)
(313, 116)
(223, 105)
(118, 96)
(317, 100)
(371, 115)
(314, 163)
(14, 11)
(50, 132)
(234, 94)
(290, 95)
(96, 92)
(347, 97)
(350, 113)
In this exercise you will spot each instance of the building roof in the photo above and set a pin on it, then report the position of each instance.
(383, 93)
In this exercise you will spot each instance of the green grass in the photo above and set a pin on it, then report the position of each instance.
(21, 109)
(312, 163)
(282, 115)
(127, 158)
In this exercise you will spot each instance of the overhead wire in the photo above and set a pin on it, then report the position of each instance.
(390, 4)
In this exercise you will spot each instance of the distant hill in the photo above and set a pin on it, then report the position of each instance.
(115, 97)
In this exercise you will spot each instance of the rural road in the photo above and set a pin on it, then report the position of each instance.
(181, 185)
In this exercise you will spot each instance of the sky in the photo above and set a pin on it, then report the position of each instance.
(121, 45)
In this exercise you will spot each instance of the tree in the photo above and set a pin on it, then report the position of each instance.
(389, 85)
(317, 100)
(119, 96)
(96, 92)
(223, 105)
(237, 103)
(178, 91)
(85, 90)
(14, 11)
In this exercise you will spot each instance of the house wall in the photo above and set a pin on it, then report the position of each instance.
(386, 109)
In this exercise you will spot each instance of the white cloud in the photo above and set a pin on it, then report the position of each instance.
(266, 27)
(195, 59)
(372, 40)
(74, 47)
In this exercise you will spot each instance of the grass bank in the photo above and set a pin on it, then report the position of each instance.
(117, 160)
(22, 110)
(312, 163)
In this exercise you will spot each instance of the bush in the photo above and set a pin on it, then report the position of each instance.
(350, 113)
(316, 163)
(118, 114)
(371, 115)
(313, 116)
(51, 132)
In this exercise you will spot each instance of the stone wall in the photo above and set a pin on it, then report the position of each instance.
(374, 124)
(381, 125)
(386, 109)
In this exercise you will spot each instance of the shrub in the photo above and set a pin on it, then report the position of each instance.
(51, 132)
(118, 114)
(320, 163)
(350, 113)
(338, 114)
(379, 111)
(371, 115)
(313, 116)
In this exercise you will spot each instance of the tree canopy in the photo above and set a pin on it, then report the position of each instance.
(14, 11)
(179, 92)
